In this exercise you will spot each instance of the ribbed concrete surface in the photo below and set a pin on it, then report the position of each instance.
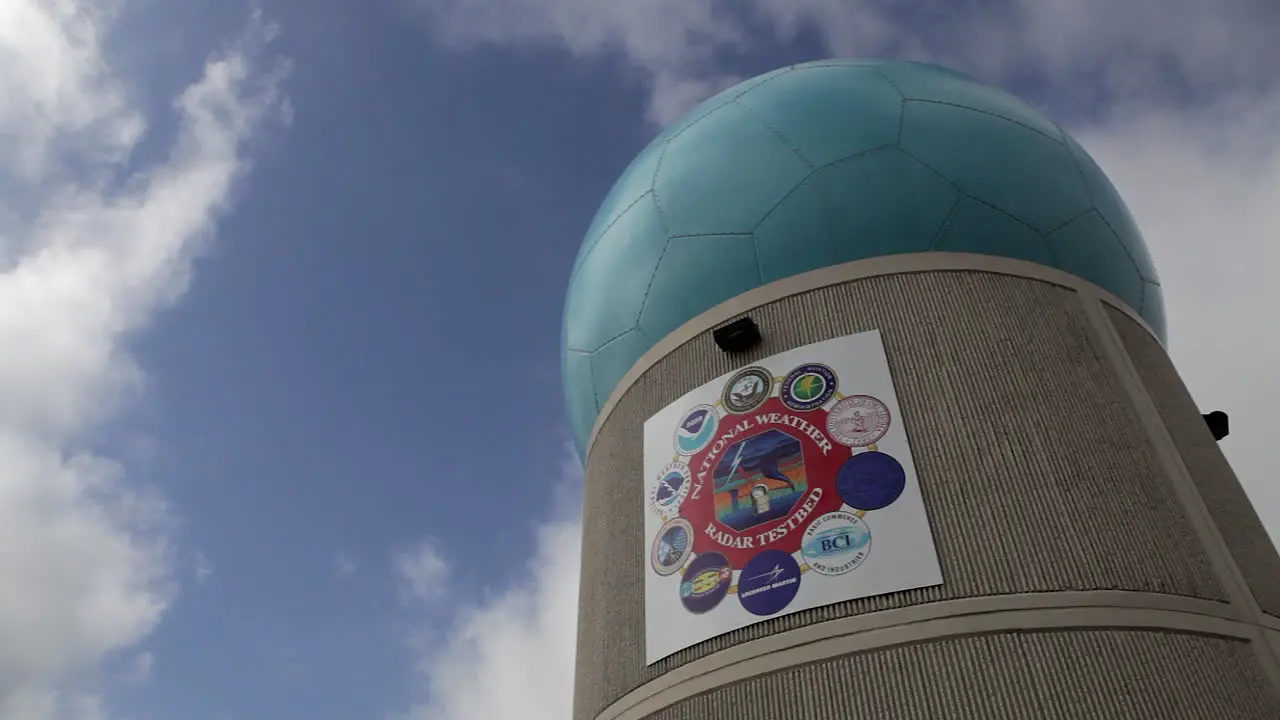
(1035, 469)
(1075, 675)
(1235, 516)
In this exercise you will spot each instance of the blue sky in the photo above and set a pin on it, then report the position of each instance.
(369, 356)
(279, 365)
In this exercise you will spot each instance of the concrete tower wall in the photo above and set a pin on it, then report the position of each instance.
(1085, 520)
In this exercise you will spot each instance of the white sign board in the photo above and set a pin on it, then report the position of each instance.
(784, 486)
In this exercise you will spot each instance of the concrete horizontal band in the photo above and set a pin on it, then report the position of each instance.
(847, 272)
(935, 621)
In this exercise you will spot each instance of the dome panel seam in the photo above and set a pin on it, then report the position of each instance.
(946, 221)
(788, 194)
(933, 170)
(786, 142)
(607, 228)
(644, 299)
(988, 113)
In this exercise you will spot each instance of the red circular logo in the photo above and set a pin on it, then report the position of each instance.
(767, 474)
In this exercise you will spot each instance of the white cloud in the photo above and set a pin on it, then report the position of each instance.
(139, 672)
(1203, 184)
(1085, 48)
(345, 564)
(422, 572)
(512, 656)
(674, 42)
(85, 563)
(202, 568)
(53, 51)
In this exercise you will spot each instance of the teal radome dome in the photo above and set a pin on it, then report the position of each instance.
(826, 163)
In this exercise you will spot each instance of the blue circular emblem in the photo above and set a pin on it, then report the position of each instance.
(697, 429)
(808, 387)
(671, 490)
(672, 547)
(870, 481)
(705, 582)
(768, 582)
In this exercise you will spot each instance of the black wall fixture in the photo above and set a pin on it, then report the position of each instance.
(1218, 424)
(738, 336)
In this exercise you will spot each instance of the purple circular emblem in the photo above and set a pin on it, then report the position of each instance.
(870, 481)
(705, 582)
(769, 582)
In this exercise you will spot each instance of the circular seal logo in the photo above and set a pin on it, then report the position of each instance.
(858, 421)
(769, 582)
(672, 547)
(808, 387)
(705, 583)
(696, 429)
(747, 390)
(671, 490)
(836, 543)
(870, 481)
